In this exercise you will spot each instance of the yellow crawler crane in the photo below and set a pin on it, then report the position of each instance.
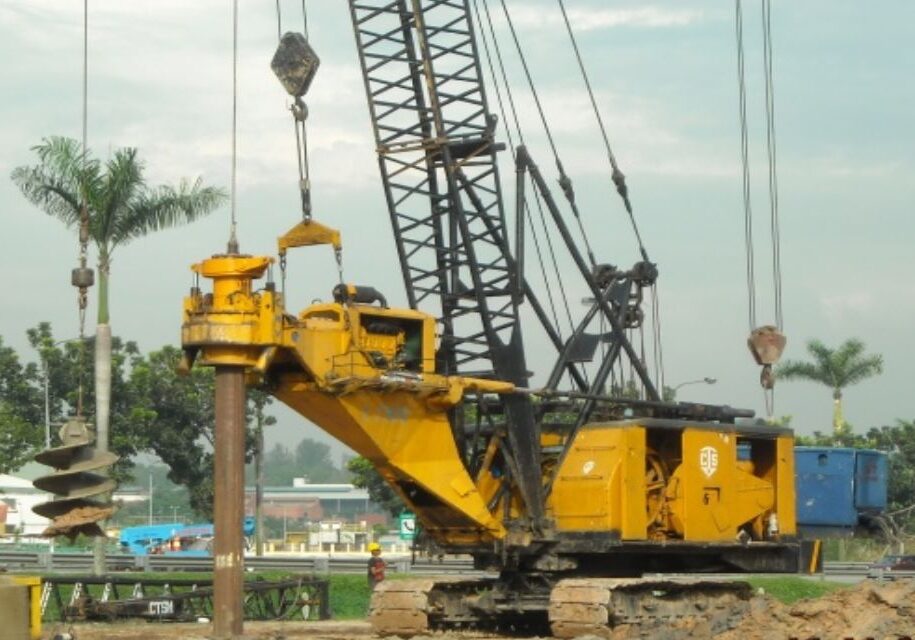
(571, 494)
(628, 496)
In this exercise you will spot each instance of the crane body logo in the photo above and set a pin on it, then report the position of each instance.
(708, 461)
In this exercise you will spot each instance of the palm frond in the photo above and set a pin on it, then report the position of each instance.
(846, 356)
(166, 206)
(862, 369)
(795, 370)
(123, 182)
(56, 184)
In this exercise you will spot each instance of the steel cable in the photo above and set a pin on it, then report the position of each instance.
(745, 161)
(616, 176)
(771, 151)
(564, 181)
(541, 214)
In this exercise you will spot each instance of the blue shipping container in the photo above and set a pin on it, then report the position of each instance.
(870, 481)
(835, 486)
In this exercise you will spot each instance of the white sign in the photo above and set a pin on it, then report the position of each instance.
(708, 460)
(162, 608)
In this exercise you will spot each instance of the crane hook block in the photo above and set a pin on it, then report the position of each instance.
(766, 344)
(295, 64)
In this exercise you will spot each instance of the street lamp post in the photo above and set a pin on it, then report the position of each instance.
(699, 381)
(46, 371)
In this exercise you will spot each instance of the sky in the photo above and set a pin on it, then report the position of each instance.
(664, 75)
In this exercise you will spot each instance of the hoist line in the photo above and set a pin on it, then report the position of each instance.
(537, 199)
(656, 331)
(620, 181)
(616, 176)
(511, 142)
(279, 21)
(745, 161)
(304, 20)
(564, 181)
(82, 301)
(771, 150)
(492, 73)
(232, 237)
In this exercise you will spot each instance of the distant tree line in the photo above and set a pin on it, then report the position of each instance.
(154, 410)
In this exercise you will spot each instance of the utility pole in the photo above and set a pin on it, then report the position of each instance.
(150, 498)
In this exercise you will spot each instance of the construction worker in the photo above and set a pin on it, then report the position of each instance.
(376, 565)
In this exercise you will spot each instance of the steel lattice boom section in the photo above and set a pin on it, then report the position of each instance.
(434, 139)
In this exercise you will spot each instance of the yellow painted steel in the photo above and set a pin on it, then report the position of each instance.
(363, 373)
(309, 233)
(675, 481)
(33, 584)
(366, 375)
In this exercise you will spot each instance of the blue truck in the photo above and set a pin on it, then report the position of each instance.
(173, 538)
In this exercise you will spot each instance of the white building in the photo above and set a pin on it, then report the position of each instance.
(19, 496)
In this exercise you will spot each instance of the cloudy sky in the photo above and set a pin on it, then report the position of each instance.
(665, 79)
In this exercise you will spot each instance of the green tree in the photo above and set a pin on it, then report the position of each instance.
(22, 426)
(170, 501)
(837, 369)
(19, 439)
(365, 476)
(899, 441)
(67, 363)
(21, 410)
(313, 460)
(174, 415)
(121, 207)
(174, 418)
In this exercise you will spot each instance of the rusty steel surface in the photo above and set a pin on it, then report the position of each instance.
(229, 500)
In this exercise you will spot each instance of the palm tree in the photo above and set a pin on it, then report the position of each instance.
(121, 207)
(837, 369)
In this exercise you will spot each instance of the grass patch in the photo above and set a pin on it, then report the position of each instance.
(789, 589)
(349, 596)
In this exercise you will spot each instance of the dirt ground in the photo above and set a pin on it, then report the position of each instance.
(868, 611)
(323, 630)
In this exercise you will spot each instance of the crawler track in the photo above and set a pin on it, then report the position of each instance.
(660, 609)
(401, 607)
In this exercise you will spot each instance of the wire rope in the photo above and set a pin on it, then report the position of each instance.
(564, 181)
(656, 321)
(537, 200)
(771, 152)
(304, 20)
(617, 176)
(82, 296)
(233, 242)
(745, 164)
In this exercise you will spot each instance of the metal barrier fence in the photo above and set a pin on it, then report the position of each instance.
(75, 597)
(82, 562)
